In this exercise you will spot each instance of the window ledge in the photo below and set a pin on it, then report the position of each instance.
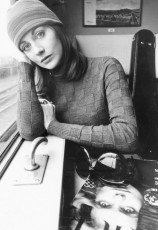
(33, 207)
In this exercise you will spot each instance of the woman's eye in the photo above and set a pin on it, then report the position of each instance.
(39, 34)
(128, 210)
(25, 47)
(103, 204)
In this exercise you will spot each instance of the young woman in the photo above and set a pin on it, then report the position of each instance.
(93, 105)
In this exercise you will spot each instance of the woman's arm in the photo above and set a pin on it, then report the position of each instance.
(30, 119)
(121, 133)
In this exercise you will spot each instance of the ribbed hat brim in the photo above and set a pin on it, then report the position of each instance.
(24, 15)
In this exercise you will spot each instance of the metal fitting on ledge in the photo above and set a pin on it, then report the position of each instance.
(30, 163)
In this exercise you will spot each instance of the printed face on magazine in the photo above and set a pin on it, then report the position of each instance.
(113, 208)
(117, 206)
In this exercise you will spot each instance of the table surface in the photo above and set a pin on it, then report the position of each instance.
(33, 207)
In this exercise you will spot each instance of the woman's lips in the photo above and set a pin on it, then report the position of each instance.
(46, 59)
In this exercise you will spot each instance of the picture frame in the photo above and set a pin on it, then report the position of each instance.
(114, 13)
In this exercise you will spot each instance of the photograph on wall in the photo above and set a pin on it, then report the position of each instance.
(113, 13)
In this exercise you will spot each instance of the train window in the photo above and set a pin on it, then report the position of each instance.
(8, 84)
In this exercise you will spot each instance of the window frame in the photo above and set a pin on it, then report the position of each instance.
(6, 156)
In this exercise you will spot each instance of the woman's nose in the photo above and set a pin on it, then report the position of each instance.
(120, 196)
(38, 50)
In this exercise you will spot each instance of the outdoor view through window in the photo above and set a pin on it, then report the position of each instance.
(8, 76)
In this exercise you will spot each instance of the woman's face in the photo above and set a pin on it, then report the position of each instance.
(42, 46)
(118, 207)
(112, 209)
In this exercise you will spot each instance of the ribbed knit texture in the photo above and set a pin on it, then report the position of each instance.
(30, 125)
(148, 218)
(94, 111)
(25, 15)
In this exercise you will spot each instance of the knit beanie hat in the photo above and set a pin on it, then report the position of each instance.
(24, 15)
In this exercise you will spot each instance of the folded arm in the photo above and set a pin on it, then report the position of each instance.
(121, 133)
(30, 120)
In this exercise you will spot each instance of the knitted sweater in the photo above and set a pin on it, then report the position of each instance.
(94, 111)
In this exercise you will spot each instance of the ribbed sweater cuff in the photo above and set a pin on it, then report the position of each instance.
(65, 131)
(26, 71)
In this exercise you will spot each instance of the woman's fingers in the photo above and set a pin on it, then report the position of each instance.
(48, 111)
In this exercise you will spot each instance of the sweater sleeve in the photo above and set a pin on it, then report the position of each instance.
(121, 133)
(30, 119)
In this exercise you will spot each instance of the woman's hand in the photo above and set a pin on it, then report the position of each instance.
(48, 111)
(21, 57)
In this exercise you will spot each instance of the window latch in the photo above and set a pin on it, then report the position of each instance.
(31, 164)
(32, 172)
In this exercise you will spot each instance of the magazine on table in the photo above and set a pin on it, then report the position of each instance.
(118, 194)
